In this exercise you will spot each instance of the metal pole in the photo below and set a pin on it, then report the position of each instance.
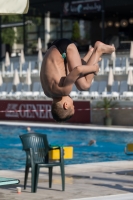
(103, 21)
(0, 40)
(61, 26)
(24, 35)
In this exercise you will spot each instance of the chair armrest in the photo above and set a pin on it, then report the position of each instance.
(61, 151)
(53, 147)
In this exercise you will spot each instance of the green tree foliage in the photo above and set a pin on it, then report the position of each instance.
(8, 34)
(75, 31)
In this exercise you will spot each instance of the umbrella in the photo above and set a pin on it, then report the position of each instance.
(16, 79)
(1, 80)
(28, 79)
(7, 59)
(22, 58)
(39, 44)
(130, 78)
(21, 61)
(131, 50)
(110, 77)
(3, 69)
(40, 56)
(113, 54)
(14, 7)
(112, 58)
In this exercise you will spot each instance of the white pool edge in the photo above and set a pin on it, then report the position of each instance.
(70, 126)
(126, 196)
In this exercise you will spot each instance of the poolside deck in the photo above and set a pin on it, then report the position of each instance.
(93, 181)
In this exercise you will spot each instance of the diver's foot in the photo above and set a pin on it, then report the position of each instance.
(103, 48)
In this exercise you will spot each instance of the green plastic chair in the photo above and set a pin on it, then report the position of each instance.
(36, 147)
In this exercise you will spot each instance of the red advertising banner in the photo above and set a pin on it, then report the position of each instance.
(40, 111)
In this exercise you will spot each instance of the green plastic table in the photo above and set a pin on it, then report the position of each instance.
(8, 181)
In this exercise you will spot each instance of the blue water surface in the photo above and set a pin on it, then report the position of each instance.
(109, 144)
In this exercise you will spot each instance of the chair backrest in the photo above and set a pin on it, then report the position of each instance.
(41, 89)
(15, 66)
(123, 86)
(25, 66)
(19, 87)
(102, 86)
(26, 87)
(74, 88)
(33, 65)
(8, 68)
(115, 86)
(3, 87)
(38, 143)
(94, 86)
(106, 63)
(9, 87)
(118, 61)
(124, 61)
(36, 86)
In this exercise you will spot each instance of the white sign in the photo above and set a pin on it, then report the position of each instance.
(86, 6)
(29, 111)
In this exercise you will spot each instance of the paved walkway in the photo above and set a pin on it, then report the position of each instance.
(92, 181)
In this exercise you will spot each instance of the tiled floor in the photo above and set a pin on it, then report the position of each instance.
(83, 181)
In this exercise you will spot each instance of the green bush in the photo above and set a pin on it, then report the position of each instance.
(107, 104)
(8, 34)
(75, 31)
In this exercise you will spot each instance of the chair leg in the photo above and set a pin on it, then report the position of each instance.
(63, 176)
(37, 170)
(33, 179)
(26, 176)
(50, 176)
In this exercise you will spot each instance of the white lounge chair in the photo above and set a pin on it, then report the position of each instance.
(127, 95)
(3, 91)
(106, 65)
(93, 89)
(17, 94)
(83, 94)
(123, 88)
(41, 93)
(115, 90)
(74, 93)
(114, 93)
(15, 66)
(24, 68)
(9, 90)
(9, 70)
(27, 93)
(36, 90)
(102, 87)
(118, 65)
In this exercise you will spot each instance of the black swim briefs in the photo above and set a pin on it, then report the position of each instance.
(61, 45)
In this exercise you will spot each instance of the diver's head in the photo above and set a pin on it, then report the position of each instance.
(62, 108)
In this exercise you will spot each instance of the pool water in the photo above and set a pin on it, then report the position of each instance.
(109, 144)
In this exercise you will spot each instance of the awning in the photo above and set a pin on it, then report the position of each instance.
(14, 7)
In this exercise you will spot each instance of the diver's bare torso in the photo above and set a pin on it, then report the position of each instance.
(52, 72)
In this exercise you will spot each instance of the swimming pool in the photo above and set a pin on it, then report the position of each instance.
(109, 144)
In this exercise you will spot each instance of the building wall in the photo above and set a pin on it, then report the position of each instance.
(120, 116)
